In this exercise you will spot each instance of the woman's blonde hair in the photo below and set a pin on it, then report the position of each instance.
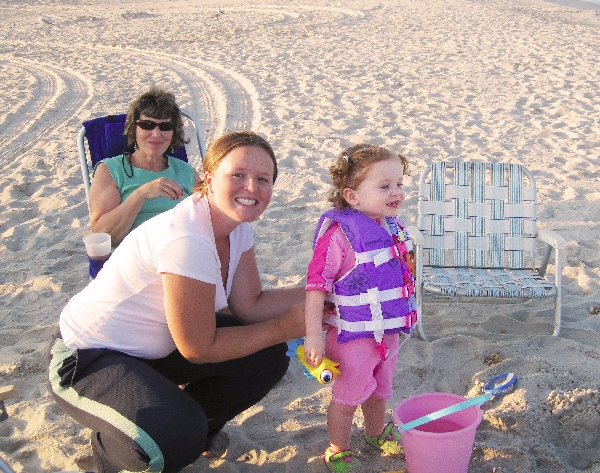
(224, 145)
(351, 166)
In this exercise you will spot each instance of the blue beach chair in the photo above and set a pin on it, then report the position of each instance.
(477, 236)
(4, 468)
(105, 139)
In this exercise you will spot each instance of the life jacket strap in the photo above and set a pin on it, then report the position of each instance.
(379, 257)
(401, 292)
(407, 321)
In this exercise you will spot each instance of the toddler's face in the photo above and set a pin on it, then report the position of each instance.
(382, 192)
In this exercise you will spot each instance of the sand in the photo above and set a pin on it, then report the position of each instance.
(495, 80)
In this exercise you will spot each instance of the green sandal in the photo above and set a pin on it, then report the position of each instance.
(343, 462)
(388, 442)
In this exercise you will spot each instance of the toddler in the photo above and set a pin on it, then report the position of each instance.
(362, 263)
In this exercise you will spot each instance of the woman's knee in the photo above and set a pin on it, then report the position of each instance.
(179, 432)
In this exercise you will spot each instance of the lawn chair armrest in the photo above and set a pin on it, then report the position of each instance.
(416, 235)
(552, 238)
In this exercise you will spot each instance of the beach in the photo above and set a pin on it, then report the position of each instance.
(488, 80)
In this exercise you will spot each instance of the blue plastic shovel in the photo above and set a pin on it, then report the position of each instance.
(499, 385)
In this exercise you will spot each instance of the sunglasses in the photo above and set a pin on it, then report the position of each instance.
(150, 125)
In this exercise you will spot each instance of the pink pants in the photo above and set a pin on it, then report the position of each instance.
(362, 371)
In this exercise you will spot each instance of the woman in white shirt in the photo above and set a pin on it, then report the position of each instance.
(150, 322)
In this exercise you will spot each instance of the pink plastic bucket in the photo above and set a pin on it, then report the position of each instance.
(440, 446)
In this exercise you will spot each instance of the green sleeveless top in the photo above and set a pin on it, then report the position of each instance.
(178, 170)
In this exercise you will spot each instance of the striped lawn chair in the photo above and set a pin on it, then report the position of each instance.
(477, 235)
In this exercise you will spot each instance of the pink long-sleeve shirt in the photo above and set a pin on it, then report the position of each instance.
(332, 258)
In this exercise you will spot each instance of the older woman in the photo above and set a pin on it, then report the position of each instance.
(131, 188)
(147, 323)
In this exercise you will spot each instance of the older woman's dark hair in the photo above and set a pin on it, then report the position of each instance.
(155, 103)
(227, 143)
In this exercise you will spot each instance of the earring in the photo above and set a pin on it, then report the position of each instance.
(135, 146)
(172, 149)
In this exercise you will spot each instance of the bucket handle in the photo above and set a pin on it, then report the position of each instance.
(501, 384)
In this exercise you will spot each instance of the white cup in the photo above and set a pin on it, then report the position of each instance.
(97, 245)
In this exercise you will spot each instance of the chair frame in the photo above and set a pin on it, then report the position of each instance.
(4, 467)
(468, 212)
(83, 160)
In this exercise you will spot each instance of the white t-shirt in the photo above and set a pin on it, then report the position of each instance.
(123, 308)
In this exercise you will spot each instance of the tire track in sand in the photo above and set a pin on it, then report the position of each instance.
(58, 95)
(295, 10)
(222, 99)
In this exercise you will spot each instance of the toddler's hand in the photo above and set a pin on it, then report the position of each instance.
(314, 350)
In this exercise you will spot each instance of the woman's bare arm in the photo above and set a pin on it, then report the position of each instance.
(109, 215)
(189, 307)
(250, 303)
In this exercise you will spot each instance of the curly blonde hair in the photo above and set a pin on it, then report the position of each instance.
(351, 166)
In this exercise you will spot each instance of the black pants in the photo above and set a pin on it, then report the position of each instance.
(141, 419)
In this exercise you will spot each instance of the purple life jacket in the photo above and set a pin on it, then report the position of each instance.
(377, 295)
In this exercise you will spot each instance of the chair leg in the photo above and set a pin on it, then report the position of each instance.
(557, 316)
(419, 293)
(420, 331)
(558, 297)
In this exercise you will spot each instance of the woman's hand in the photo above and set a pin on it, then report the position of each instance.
(161, 187)
(291, 322)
